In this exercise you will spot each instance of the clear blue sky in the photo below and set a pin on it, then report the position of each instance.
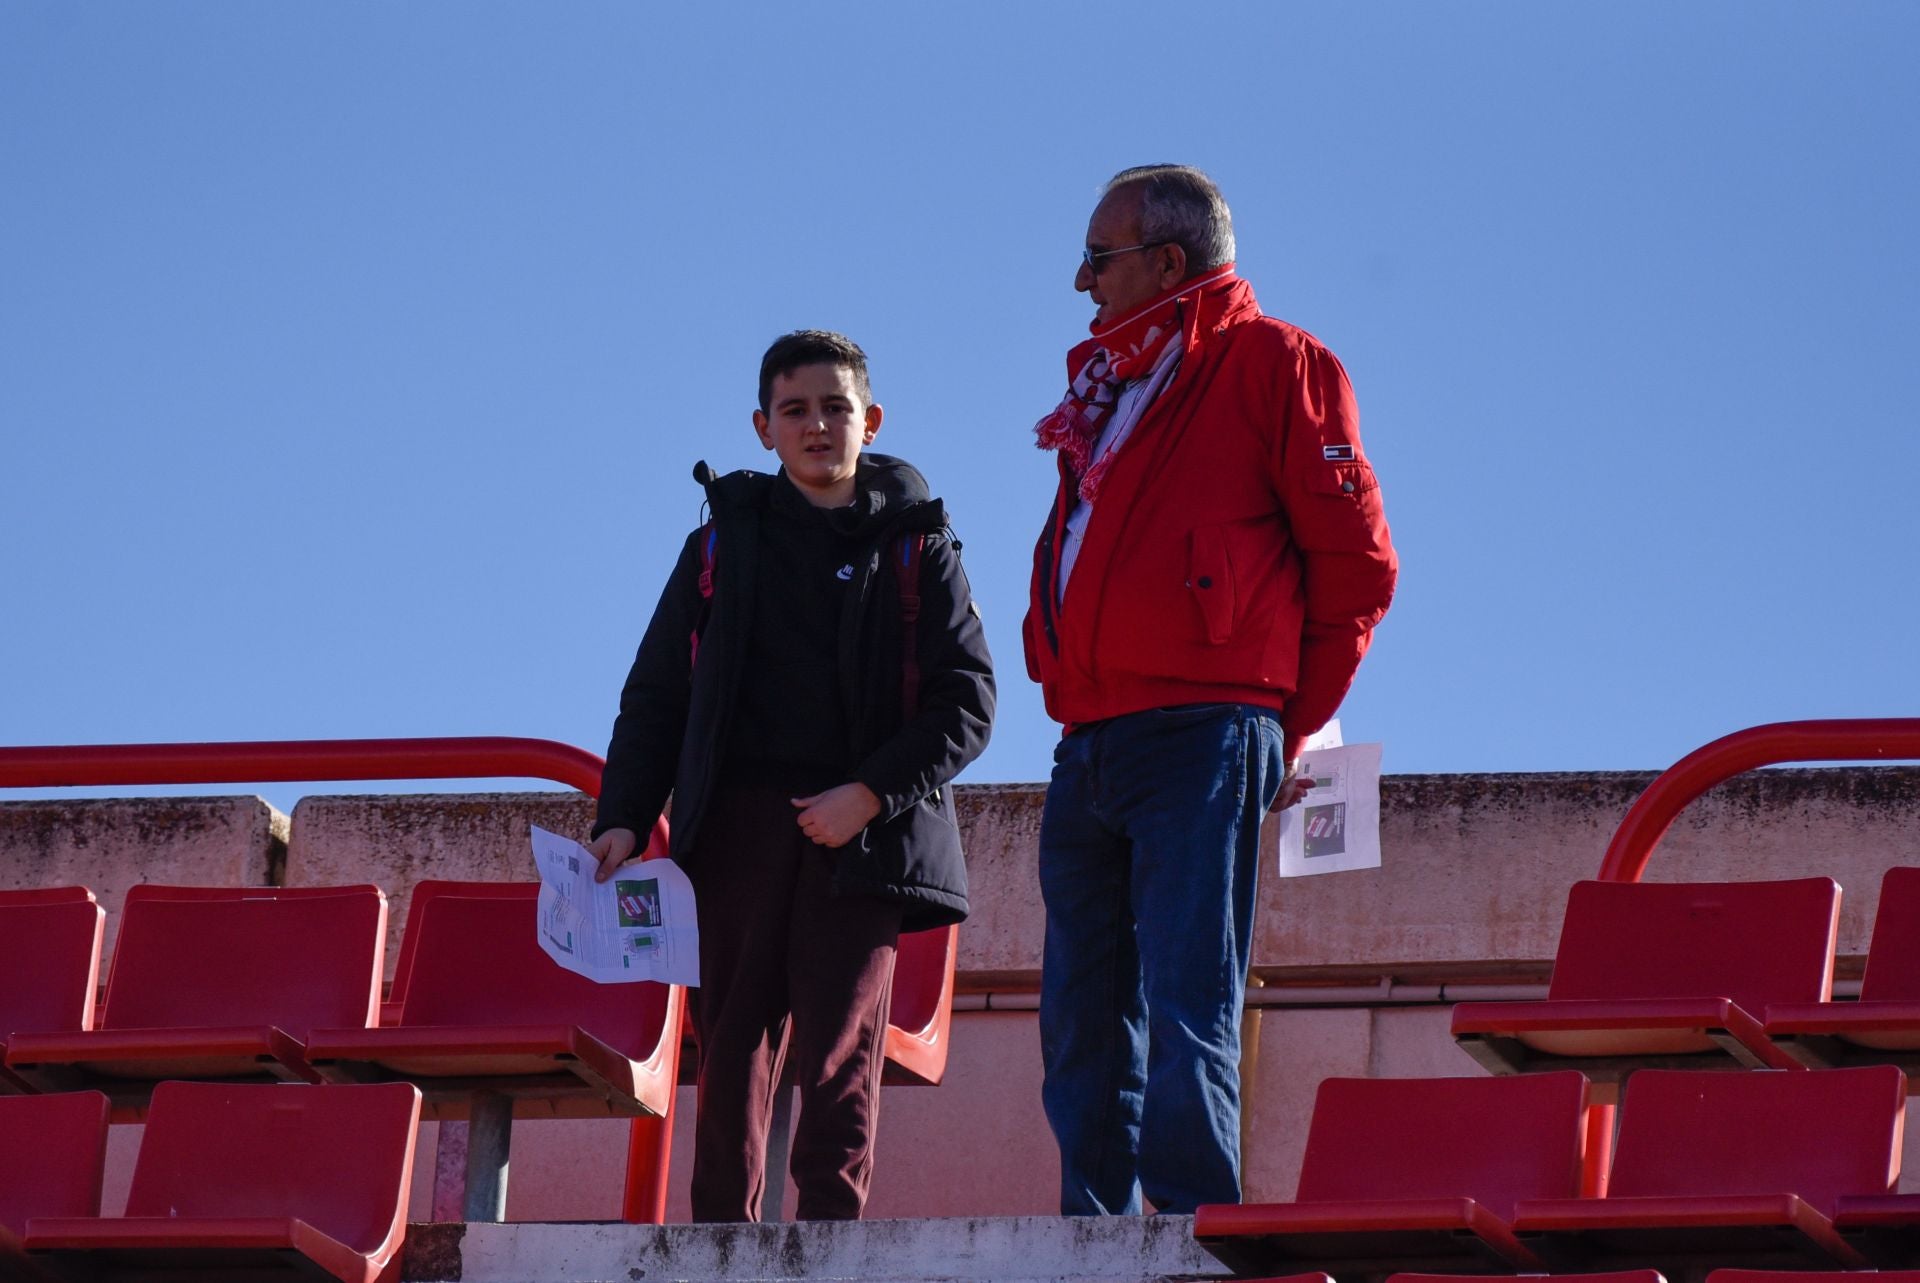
(353, 357)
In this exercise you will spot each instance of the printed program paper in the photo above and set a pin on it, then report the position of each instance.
(639, 924)
(1336, 827)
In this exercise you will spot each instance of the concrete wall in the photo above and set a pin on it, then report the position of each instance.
(113, 844)
(1361, 967)
(396, 841)
(1475, 868)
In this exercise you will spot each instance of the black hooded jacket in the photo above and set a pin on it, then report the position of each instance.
(677, 708)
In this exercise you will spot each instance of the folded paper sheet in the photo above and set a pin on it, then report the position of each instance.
(1336, 826)
(639, 924)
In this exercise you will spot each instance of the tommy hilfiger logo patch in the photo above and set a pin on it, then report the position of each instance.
(1337, 453)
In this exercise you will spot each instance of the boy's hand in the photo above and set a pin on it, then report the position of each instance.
(833, 818)
(613, 849)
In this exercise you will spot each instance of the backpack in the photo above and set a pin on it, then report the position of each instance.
(906, 572)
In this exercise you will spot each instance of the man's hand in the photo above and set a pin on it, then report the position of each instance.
(613, 849)
(1292, 788)
(834, 817)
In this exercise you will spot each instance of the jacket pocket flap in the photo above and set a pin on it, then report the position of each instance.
(1349, 479)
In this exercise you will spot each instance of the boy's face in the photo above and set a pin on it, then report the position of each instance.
(817, 424)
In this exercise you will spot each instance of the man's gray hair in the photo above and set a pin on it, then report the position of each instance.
(1180, 205)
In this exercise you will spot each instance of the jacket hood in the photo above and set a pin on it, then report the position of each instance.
(887, 488)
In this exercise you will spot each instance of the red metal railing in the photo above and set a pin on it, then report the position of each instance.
(1653, 812)
(484, 756)
(467, 757)
(1835, 740)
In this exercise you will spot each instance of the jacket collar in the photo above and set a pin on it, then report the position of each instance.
(889, 489)
(1207, 305)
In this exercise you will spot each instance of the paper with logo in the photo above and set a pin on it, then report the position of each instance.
(640, 924)
(1336, 826)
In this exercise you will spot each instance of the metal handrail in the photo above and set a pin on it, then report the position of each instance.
(1831, 740)
(455, 757)
(69, 765)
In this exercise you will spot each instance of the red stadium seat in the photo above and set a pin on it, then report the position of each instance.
(1883, 1028)
(1619, 1276)
(53, 1153)
(490, 1027)
(218, 983)
(919, 1015)
(249, 1181)
(1812, 1276)
(922, 1008)
(483, 1008)
(1665, 975)
(49, 964)
(1730, 1169)
(1413, 1174)
(1884, 1228)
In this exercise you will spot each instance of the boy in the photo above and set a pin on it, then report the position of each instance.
(807, 719)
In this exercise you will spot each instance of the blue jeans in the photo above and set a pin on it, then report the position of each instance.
(1149, 853)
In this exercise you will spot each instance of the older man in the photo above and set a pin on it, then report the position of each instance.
(1206, 584)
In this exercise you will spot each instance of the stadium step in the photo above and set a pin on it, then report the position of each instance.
(1001, 1249)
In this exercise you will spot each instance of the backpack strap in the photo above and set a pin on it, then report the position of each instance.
(709, 539)
(906, 569)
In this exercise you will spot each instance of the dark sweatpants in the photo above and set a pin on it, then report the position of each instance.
(779, 950)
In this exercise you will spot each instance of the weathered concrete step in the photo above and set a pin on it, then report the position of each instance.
(997, 1249)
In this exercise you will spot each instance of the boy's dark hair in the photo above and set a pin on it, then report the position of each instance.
(812, 347)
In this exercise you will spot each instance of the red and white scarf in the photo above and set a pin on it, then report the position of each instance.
(1128, 349)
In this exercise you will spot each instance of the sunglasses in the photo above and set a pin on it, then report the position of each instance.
(1092, 257)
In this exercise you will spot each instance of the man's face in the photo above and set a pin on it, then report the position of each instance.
(1124, 281)
(817, 422)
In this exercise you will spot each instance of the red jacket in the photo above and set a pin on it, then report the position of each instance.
(1238, 551)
